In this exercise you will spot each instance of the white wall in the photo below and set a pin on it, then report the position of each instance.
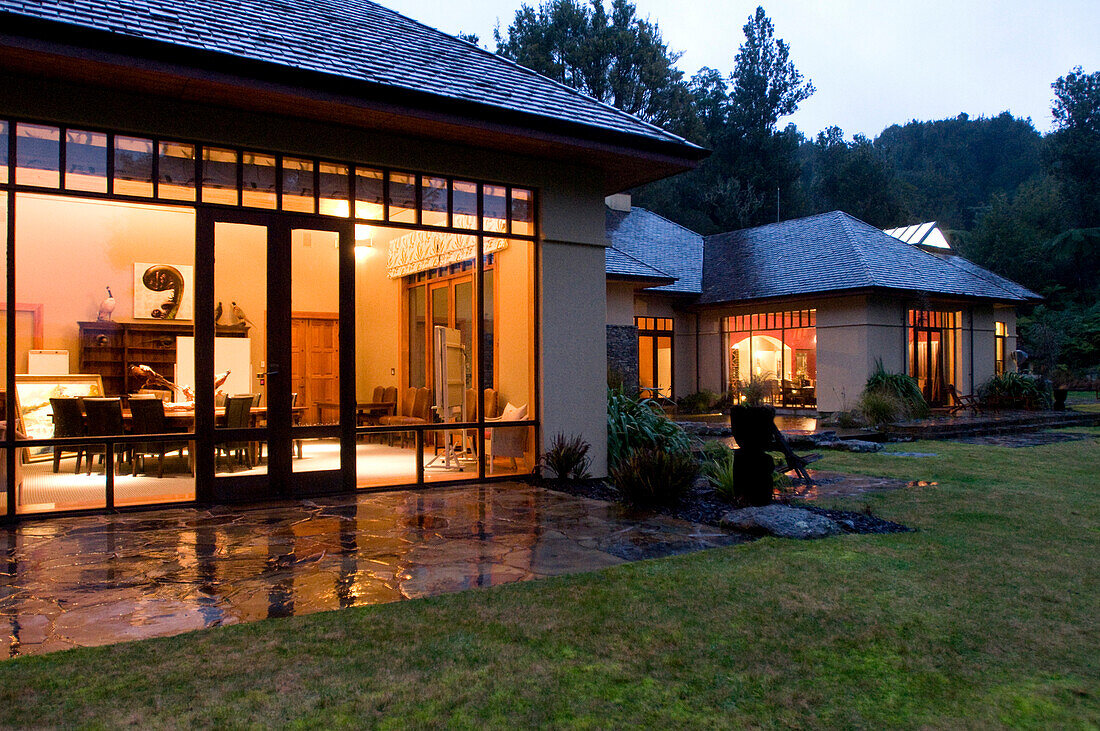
(620, 303)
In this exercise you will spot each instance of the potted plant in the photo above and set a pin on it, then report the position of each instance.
(753, 426)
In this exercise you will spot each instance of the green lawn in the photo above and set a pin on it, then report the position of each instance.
(989, 615)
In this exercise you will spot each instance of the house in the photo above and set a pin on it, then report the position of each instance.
(811, 305)
(340, 250)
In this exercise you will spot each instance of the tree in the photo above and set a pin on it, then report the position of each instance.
(1074, 146)
(753, 162)
(854, 177)
(766, 84)
(615, 57)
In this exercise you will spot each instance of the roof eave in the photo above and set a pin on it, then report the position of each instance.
(118, 60)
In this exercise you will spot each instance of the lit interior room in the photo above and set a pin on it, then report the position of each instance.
(105, 319)
(779, 349)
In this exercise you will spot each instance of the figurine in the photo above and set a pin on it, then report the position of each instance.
(218, 313)
(106, 307)
(239, 316)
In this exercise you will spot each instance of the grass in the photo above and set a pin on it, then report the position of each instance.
(1083, 401)
(986, 616)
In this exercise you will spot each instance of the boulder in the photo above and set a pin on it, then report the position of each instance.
(857, 445)
(782, 521)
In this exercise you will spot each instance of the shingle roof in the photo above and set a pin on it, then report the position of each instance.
(623, 265)
(656, 241)
(354, 39)
(834, 251)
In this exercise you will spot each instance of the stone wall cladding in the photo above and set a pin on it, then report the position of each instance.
(622, 354)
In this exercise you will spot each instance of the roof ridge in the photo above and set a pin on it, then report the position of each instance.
(784, 222)
(643, 262)
(669, 220)
(532, 72)
(846, 222)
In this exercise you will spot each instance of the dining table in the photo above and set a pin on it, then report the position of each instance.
(366, 412)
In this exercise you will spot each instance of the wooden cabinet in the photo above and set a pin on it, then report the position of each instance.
(110, 348)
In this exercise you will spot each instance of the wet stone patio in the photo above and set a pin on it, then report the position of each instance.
(96, 580)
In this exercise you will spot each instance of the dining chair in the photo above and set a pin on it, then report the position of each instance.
(103, 419)
(68, 421)
(147, 417)
(238, 415)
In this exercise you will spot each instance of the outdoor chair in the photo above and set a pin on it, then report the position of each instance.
(103, 418)
(147, 417)
(68, 421)
(510, 442)
(962, 402)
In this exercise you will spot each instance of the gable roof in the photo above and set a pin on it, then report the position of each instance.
(832, 252)
(358, 41)
(620, 265)
(659, 243)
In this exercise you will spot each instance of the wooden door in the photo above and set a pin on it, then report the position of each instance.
(315, 362)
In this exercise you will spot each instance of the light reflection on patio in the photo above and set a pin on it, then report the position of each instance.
(102, 579)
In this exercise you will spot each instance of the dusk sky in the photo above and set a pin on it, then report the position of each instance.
(873, 63)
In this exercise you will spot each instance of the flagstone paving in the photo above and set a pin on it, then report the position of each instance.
(96, 580)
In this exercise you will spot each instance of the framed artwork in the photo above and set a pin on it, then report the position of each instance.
(163, 291)
(34, 416)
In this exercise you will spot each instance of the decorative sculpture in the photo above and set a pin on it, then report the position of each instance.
(239, 316)
(184, 395)
(106, 307)
(755, 431)
(218, 313)
(165, 278)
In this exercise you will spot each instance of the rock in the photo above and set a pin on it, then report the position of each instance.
(704, 429)
(857, 445)
(782, 521)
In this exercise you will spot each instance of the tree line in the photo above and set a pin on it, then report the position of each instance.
(1023, 204)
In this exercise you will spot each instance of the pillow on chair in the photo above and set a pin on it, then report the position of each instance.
(513, 413)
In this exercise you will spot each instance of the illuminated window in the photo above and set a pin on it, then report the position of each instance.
(258, 175)
(37, 155)
(298, 185)
(779, 348)
(176, 171)
(654, 356)
(1000, 345)
(86, 161)
(219, 176)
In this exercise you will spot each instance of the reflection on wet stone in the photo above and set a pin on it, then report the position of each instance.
(108, 578)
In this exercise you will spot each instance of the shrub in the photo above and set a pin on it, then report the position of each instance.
(713, 450)
(850, 420)
(903, 388)
(697, 403)
(718, 469)
(1016, 391)
(568, 457)
(880, 407)
(757, 389)
(639, 423)
(654, 476)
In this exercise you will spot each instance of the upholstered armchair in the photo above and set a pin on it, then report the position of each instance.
(510, 442)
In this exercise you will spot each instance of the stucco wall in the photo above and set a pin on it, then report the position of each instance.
(620, 303)
(574, 373)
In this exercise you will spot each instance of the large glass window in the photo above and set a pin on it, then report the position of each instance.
(778, 349)
(932, 353)
(106, 293)
(108, 288)
(654, 356)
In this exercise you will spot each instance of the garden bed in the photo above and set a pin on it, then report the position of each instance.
(701, 504)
